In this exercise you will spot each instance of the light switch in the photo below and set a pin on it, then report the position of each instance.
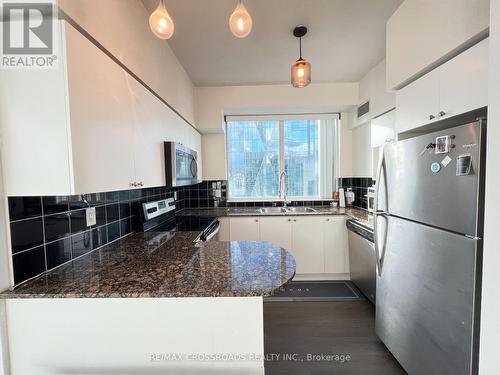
(90, 216)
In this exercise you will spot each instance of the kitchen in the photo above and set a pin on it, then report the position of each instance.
(158, 172)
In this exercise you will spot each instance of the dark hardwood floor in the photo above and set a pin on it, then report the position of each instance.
(343, 328)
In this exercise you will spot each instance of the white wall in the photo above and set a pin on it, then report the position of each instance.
(212, 103)
(361, 151)
(373, 87)
(490, 307)
(122, 27)
(5, 280)
(214, 149)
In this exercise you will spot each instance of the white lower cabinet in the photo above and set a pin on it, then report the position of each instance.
(308, 244)
(277, 230)
(318, 243)
(244, 229)
(336, 245)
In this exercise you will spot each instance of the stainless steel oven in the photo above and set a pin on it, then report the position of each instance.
(181, 165)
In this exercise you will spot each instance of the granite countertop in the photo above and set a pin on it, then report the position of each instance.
(164, 265)
(358, 214)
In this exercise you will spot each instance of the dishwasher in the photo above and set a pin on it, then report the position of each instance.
(362, 260)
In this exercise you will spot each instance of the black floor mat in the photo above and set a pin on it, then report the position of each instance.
(317, 291)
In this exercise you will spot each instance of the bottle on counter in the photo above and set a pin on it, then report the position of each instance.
(341, 198)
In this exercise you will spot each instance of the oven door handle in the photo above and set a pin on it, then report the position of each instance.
(213, 233)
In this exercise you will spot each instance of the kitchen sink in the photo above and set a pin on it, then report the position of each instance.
(244, 211)
(301, 210)
(273, 210)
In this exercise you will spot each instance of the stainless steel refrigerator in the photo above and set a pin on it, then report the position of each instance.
(429, 219)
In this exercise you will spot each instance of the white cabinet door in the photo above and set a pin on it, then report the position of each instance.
(277, 230)
(308, 244)
(382, 129)
(418, 103)
(244, 228)
(464, 81)
(336, 248)
(149, 158)
(101, 115)
(224, 231)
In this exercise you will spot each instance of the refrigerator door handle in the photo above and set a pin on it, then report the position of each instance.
(380, 169)
(378, 213)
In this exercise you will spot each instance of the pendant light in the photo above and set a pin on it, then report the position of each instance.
(161, 23)
(240, 21)
(301, 69)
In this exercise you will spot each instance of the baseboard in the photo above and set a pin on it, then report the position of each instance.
(321, 276)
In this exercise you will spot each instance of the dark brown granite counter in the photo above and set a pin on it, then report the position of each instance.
(361, 215)
(159, 265)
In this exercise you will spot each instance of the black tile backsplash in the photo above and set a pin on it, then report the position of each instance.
(359, 186)
(24, 207)
(205, 194)
(28, 264)
(112, 212)
(26, 234)
(54, 205)
(58, 252)
(49, 231)
(56, 226)
(78, 220)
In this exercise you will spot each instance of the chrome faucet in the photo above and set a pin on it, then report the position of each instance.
(282, 192)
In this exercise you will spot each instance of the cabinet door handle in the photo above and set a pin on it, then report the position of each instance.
(256, 220)
(432, 117)
(327, 219)
(140, 184)
(442, 113)
(289, 219)
(294, 219)
(133, 184)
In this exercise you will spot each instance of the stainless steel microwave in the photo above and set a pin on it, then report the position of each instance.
(181, 165)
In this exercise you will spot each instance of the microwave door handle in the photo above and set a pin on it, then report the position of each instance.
(194, 169)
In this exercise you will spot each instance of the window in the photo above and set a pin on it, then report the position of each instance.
(260, 149)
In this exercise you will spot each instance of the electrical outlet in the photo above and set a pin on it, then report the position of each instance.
(90, 216)
(175, 195)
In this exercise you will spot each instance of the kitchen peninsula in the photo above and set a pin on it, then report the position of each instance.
(145, 297)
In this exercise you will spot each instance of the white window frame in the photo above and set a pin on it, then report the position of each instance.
(281, 150)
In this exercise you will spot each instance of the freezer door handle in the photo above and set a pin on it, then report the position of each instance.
(381, 169)
(379, 253)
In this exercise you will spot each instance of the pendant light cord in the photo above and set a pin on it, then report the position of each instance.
(300, 48)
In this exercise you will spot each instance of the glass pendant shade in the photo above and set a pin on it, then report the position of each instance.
(301, 73)
(240, 21)
(161, 23)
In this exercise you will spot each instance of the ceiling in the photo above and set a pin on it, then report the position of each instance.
(346, 39)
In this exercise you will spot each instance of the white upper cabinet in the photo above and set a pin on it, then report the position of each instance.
(458, 86)
(421, 34)
(418, 103)
(87, 126)
(464, 81)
